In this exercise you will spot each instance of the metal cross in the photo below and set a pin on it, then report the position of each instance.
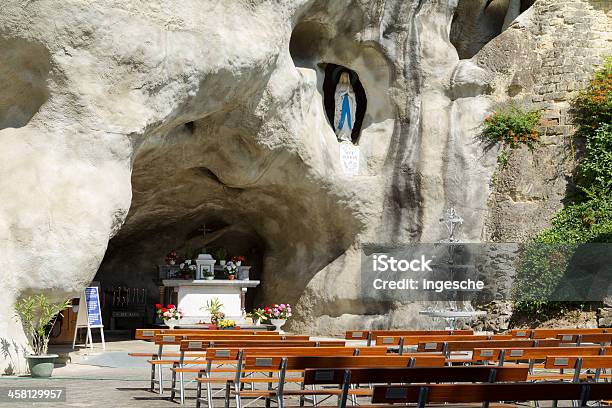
(451, 219)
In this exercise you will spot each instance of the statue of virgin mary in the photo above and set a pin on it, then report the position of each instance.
(344, 116)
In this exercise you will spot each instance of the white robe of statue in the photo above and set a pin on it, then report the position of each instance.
(344, 116)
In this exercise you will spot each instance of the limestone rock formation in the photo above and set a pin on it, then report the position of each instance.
(189, 112)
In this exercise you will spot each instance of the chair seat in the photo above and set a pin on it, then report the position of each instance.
(154, 362)
(270, 380)
(197, 370)
(150, 355)
(215, 379)
(544, 377)
(289, 393)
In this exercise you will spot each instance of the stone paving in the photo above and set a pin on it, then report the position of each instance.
(125, 384)
(90, 386)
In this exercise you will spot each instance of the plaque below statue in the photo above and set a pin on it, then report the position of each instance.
(349, 158)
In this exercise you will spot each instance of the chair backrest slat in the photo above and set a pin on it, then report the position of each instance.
(528, 353)
(414, 340)
(471, 345)
(468, 393)
(378, 333)
(552, 333)
(167, 339)
(301, 363)
(416, 375)
(585, 338)
(587, 362)
(149, 334)
(227, 343)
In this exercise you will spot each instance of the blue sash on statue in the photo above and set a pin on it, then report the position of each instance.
(345, 113)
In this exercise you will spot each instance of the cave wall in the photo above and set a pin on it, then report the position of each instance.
(148, 119)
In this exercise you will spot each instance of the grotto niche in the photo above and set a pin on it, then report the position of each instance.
(333, 75)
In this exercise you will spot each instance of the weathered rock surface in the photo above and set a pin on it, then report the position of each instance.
(189, 112)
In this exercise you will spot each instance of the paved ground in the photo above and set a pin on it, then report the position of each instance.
(108, 378)
(123, 384)
(90, 386)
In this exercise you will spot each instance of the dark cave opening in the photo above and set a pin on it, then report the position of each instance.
(134, 265)
(332, 76)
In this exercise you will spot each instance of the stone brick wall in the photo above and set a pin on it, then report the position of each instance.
(574, 37)
(558, 49)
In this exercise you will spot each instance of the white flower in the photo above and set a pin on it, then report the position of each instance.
(188, 262)
(182, 265)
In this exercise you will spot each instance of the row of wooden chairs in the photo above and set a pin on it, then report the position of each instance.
(246, 354)
(269, 364)
(196, 347)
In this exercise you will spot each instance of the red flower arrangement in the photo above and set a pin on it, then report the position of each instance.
(171, 258)
(238, 258)
(168, 312)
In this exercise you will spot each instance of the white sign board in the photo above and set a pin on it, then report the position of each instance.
(89, 315)
(349, 158)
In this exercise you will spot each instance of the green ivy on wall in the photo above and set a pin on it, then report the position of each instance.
(587, 217)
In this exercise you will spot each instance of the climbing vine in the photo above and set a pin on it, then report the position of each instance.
(587, 217)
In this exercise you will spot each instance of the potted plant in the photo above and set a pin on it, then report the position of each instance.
(38, 316)
(238, 259)
(258, 315)
(169, 314)
(209, 274)
(226, 324)
(231, 269)
(171, 258)
(187, 270)
(214, 306)
(221, 255)
(278, 315)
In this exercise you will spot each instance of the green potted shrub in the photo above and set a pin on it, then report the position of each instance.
(258, 315)
(38, 315)
(214, 306)
(220, 254)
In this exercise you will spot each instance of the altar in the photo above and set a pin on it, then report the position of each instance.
(192, 296)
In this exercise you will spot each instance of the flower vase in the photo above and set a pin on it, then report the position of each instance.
(222, 262)
(278, 323)
(238, 263)
(171, 323)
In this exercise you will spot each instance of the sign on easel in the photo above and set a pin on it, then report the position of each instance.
(89, 316)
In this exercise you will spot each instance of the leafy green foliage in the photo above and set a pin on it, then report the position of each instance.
(594, 104)
(38, 315)
(587, 218)
(512, 126)
(595, 171)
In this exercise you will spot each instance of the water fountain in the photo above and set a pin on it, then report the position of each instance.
(452, 310)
